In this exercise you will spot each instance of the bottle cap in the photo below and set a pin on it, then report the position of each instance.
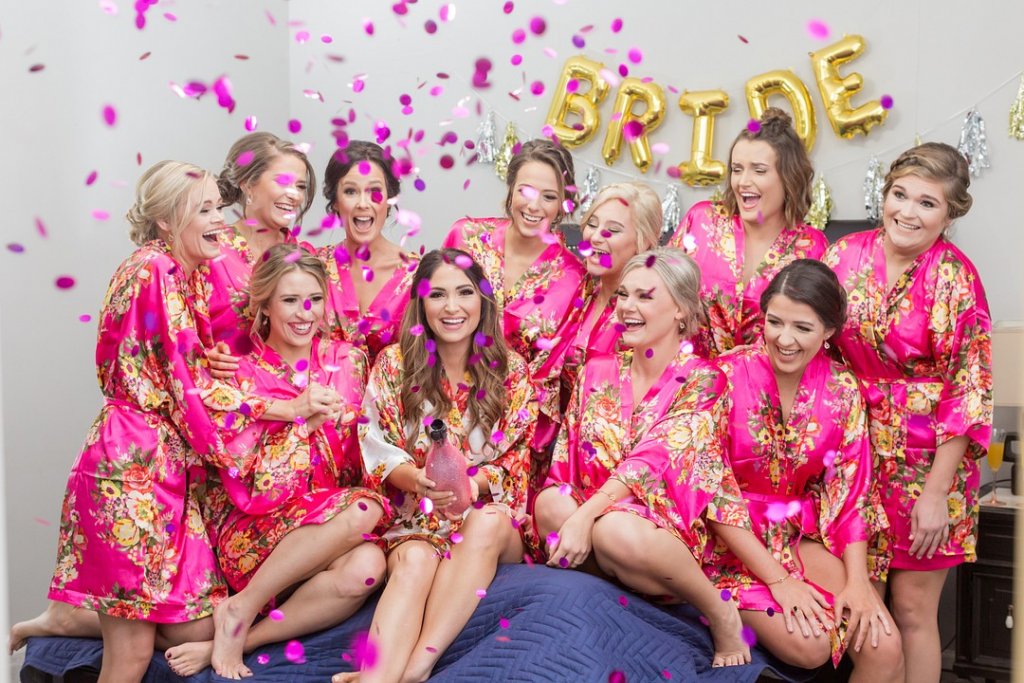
(438, 430)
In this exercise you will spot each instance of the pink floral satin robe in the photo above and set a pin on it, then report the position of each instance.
(132, 543)
(223, 285)
(923, 353)
(666, 449)
(295, 477)
(379, 326)
(716, 242)
(807, 477)
(533, 309)
(389, 440)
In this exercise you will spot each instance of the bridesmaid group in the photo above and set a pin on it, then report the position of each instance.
(781, 432)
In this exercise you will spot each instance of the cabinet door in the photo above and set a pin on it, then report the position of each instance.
(991, 596)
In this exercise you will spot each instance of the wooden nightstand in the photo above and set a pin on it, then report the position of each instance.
(984, 598)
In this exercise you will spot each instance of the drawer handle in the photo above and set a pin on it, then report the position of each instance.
(1009, 617)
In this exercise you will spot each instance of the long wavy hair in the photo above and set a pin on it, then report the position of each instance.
(488, 356)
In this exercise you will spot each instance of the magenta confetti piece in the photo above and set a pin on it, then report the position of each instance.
(563, 563)
(632, 130)
(623, 600)
(516, 60)
(635, 55)
(294, 652)
(65, 282)
(886, 101)
(455, 537)
(368, 27)
(294, 126)
(770, 612)
(552, 538)
(616, 25)
(447, 161)
(538, 26)
(430, 26)
(616, 677)
(108, 7)
(497, 436)
(276, 614)
(537, 88)
(301, 365)
(100, 214)
(744, 40)
(427, 506)
(578, 41)
(36, 67)
(518, 36)
(251, 124)
(754, 126)
(649, 353)
(416, 330)
(222, 88)
(726, 595)
(666, 674)
(109, 115)
(507, 9)
(818, 29)
(84, 318)
(749, 636)
(263, 658)
(15, 248)
(302, 37)
(503, 622)
(170, 17)
(400, 8)
(370, 581)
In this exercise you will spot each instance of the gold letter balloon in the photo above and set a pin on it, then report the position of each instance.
(784, 82)
(567, 100)
(703, 106)
(632, 126)
(836, 90)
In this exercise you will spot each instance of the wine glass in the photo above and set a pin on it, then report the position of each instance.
(996, 449)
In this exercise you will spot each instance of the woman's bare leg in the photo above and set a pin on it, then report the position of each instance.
(488, 538)
(301, 554)
(652, 561)
(59, 619)
(915, 608)
(127, 649)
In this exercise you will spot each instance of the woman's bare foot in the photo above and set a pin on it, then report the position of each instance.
(59, 619)
(346, 677)
(419, 668)
(188, 659)
(727, 634)
(229, 632)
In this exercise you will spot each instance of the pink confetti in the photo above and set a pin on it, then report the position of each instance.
(507, 9)
(170, 17)
(754, 126)
(578, 41)
(538, 26)
(284, 179)
(503, 622)
(537, 88)
(368, 27)
(632, 130)
(276, 614)
(481, 593)
(660, 148)
(109, 115)
(358, 84)
(430, 26)
(749, 636)
(726, 595)
(666, 674)
(623, 600)
(222, 88)
(251, 123)
(294, 652)
(552, 539)
(101, 215)
(15, 248)
(427, 506)
(294, 126)
(108, 7)
(447, 12)
(516, 60)
(818, 29)
(744, 40)
(65, 282)
(263, 658)
(370, 581)
(635, 55)
(518, 36)
(365, 651)
(886, 101)
(36, 67)
(616, 25)
(616, 677)
(41, 228)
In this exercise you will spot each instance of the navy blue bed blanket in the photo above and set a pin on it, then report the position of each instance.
(535, 624)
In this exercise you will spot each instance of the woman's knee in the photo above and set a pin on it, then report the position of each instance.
(362, 571)
(485, 530)
(551, 510)
(412, 562)
(363, 515)
(806, 653)
(614, 539)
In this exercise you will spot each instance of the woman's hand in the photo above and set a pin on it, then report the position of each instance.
(573, 544)
(222, 364)
(929, 524)
(316, 399)
(867, 612)
(424, 488)
(802, 605)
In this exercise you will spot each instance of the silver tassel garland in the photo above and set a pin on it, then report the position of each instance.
(587, 193)
(873, 184)
(671, 214)
(485, 148)
(974, 144)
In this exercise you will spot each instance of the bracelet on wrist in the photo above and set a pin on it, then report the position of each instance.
(776, 582)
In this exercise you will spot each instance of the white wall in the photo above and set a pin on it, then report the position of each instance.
(934, 58)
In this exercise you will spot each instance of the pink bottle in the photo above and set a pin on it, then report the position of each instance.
(446, 467)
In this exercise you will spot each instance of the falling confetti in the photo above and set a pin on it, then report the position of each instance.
(818, 29)
(294, 652)
(109, 115)
(886, 101)
(65, 282)
(14, 247)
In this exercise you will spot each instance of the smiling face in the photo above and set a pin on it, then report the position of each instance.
(914, 215)
(294, 313)
(362, 203)
(793, 335)
(278, 195)
(452, 307)
(756, 183)
(536, 199)
(197, 240)
(613, 238)
(646, 309)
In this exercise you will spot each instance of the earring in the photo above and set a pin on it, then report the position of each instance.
(827, 347)
(248, 199)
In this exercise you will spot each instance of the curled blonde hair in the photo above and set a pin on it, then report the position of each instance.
(277, 262)
(681, 276)
(263, 147)
(164, 195)
(644, 209)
